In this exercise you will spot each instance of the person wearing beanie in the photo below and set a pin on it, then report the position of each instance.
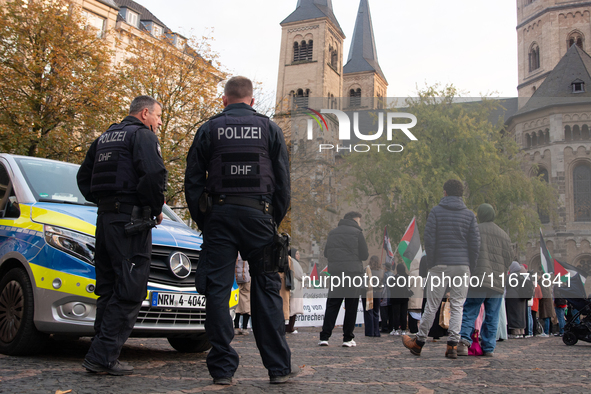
(493, 261)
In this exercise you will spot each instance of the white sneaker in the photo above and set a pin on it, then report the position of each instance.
(404, 333)
(544, 335)
(323, 343)
(294, 332)
(350, 343)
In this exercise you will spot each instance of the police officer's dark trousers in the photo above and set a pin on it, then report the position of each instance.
(122, 266)
(229, 229)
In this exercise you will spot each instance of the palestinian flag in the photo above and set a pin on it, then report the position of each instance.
(578, 277)
(314, 276)
(410, 246)
(388, 246)
(546, 260)
(325, 271)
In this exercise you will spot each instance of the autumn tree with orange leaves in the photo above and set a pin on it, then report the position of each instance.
(186, 83)
(56, 82)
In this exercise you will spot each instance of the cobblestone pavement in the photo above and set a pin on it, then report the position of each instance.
(376, 365)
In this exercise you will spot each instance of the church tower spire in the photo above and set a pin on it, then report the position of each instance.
(311, 56)
(311, 9)
(363, 76)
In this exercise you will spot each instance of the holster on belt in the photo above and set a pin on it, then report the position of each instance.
(141, 220)
(275, 254)
(205, 202)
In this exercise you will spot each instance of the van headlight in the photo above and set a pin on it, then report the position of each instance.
(77, 244)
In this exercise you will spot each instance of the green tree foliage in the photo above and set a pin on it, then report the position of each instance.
(455, 140)
(186, 83)
(56, 82)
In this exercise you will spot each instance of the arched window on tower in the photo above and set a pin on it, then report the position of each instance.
(547, 136)
(541, 140)
(309, 50)
(292, 103)
(568, 135)
(534, 57)
(303, 51)
(576, 133)
(527, 140)
(334, 58)
(575, 37)
(585, 263)
(301, 98)
(534, 139)
(355, 97)
(582, 193)
(296, 51)
(544, 217)
(585, 132)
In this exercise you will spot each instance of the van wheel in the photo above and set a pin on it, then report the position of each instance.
(18, 335)
(569, 338)
(193, 344)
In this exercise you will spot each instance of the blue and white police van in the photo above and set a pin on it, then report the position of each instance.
(47, 273)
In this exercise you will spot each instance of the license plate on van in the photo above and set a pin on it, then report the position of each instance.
(177, 300)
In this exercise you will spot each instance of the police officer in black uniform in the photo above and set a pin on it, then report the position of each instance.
(123, 173)
(237, 188)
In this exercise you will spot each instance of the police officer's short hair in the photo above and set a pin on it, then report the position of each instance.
(352, 215)
(141, 102)
(238, 87)
(453, 187)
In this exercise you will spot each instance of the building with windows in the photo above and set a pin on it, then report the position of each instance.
(311, 60)
(545, 30)
(121, 21)
(553, 120)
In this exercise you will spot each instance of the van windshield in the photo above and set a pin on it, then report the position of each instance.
(52, 181)
(55, 181)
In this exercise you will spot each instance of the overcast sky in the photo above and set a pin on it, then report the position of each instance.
(470, 43)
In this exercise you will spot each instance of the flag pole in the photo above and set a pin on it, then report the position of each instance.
(383, 241)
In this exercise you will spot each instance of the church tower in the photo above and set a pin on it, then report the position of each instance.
(311, 56)
(364, 83)
(553, 122)
(545, 31)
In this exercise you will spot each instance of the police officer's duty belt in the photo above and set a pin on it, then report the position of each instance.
(115, 206)
(263, 206)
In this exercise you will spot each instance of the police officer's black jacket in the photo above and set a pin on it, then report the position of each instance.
(149, 183)
(346, 248)
(200, 155)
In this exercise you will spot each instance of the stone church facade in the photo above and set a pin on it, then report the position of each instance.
(553, 120)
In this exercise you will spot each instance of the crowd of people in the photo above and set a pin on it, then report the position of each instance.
(458, 244)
